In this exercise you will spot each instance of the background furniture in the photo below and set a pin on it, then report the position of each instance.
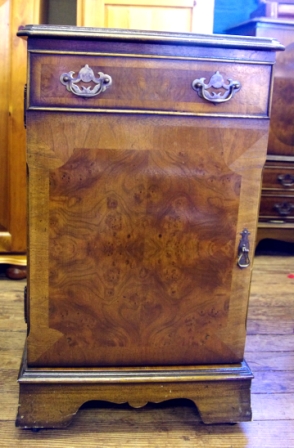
(276, 218)
(143, 189)
(13, 13)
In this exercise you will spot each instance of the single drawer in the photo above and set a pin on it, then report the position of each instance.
(148, 83)
(278, 176)
(276, 207)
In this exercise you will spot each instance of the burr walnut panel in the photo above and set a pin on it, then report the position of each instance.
(143, 239)
(149, 83)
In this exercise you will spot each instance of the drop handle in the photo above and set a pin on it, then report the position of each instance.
(205, 91)
(284, 208)
(243, 250)
(86, 77)
(287, 180)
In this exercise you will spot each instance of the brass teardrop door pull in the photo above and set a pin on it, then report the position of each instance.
(243, 250)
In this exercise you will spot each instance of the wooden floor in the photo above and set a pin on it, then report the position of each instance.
(269, 352)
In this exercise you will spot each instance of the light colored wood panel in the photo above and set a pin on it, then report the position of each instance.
(4, 83)
(198, 17)
(20, 12)
(18, 260)
(13, 13)
(90, 13)
(165, 3)
(148, 18)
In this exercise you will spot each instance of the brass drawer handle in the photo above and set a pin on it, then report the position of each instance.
(216, 82)
(243, 250)
(287, 180)
(284, 209)
(86, 75)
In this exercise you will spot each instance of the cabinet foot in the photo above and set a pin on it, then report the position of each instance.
(50, 399)
(15, 272)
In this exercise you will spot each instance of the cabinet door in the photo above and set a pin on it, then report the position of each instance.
(157, 15)
(135, 223)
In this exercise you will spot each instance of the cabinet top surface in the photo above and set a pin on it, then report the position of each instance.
(222, 41)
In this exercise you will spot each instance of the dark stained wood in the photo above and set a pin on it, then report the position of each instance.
(166, 85)
(281, 136)
(16, 272)
(273, 171)
(135, 219)
(277, 207)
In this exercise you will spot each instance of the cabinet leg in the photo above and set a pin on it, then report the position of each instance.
(42, 406)
(15, 272)
(225, 403)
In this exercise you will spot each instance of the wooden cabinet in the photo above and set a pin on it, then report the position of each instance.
(145, 153)
(13, 13)
(276, 218)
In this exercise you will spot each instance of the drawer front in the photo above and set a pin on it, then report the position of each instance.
(146, 83)
(277, 207)
(278, 176)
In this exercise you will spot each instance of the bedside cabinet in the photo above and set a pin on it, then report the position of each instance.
(145, 153)
(276, 217)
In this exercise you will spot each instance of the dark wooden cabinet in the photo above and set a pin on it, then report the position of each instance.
(276, 218)
(144, 155)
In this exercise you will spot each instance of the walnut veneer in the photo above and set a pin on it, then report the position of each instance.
(137, 199)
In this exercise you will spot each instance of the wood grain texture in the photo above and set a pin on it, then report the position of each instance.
(4, 102)
(148, 83)
(13, 13)
(272, 172)
(134, 230)
(141, 240)
(175, 423)
(142, 254)
(281, 136)
(163, 15)
(278, 207)
(217, 402)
